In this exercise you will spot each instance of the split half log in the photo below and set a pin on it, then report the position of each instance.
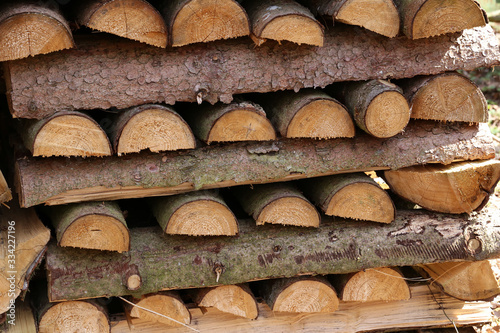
(308, 114)
(29, 29)
(23, 242)
(427, 18)
(133, 19)
(168, 304)
(66, 133)
(238, 121)
(300, 294)
(5, 193)
(279, 203)
(91, 225)
(235, 299)
(154, 127)
(57, 181)
(200, 213)
(283, 20)
(472, 281)
(446, 97)
(91, 77)
(377, 106)
(355, 196)
(194, 21)
(380, 16)
(371, 285)
(461, 187)
(264, 252)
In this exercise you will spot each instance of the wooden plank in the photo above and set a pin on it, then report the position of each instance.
(56, 181)
(427, 308)
(110, 72)
(264, 252)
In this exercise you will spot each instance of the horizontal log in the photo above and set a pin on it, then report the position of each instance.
(104, 72)
(56, 181)
(336, 247)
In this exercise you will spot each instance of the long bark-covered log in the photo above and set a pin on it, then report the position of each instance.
(105, 73)
(63, 180)
(336, 247)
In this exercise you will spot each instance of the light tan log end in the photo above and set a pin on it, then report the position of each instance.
(74, 316)
(387, 115)
(209, 20)
(5, 193)
(242, 125)
(133, 19)
(294, 28)
(167, 304)
(290, 211)
(232, 299)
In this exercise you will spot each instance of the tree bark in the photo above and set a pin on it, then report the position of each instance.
(66, 133)
(445, 97)
(194, 21)
(355, 196)
(29, 29)
(461, 187)
(133, 19)
(235, 299)
(238, 121)
(380, 16)
(336, 247)
(154, 127)
(91, 77)
(428, 18)
(280, 203)
(62, 180)
(284, 20)
(92, 225)
(5, 193)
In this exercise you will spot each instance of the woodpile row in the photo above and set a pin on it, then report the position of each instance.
(203, 164)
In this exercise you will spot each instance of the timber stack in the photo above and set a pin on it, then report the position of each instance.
(262, 159)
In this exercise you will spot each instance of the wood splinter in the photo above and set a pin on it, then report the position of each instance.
(235, 299)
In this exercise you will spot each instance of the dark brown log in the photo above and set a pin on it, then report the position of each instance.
(445, 97)
(62, 180)
(377, 106)
(235, 299)
(194, 21)
(5, 193)
(91, 77)
(280, 203)
(154, 127)
(29, 28)
(133, 19)
(456, 188)
(380, 16)
(427, 18)
(283, 20)
(238, 121)
(308, 114)
(355, 196)
(92, 225)
(66, 133)
(300, 294)
(336, 247)
(199, 213)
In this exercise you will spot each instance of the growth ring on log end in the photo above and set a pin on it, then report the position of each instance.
(166, 303)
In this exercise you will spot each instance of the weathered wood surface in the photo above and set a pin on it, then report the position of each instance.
(264, 252)
(61, 180)
(91, 77)
(427, 308)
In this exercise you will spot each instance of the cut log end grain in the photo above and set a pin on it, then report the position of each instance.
(241, 125)
(457, 188)
(168, 304)
(205, 21)
(294, 28)
(133, 19)
(324, 119)
(380, 16)
(387, 115)
(234, 299)
(67, 134)
(447, 97)
(5, 193)
(32, 30)
(379, 284)
(156, 128)
(470, 281)
(74, 316)
(290, 211)
(427, 18)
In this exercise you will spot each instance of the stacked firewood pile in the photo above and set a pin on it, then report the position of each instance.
(251, 157)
